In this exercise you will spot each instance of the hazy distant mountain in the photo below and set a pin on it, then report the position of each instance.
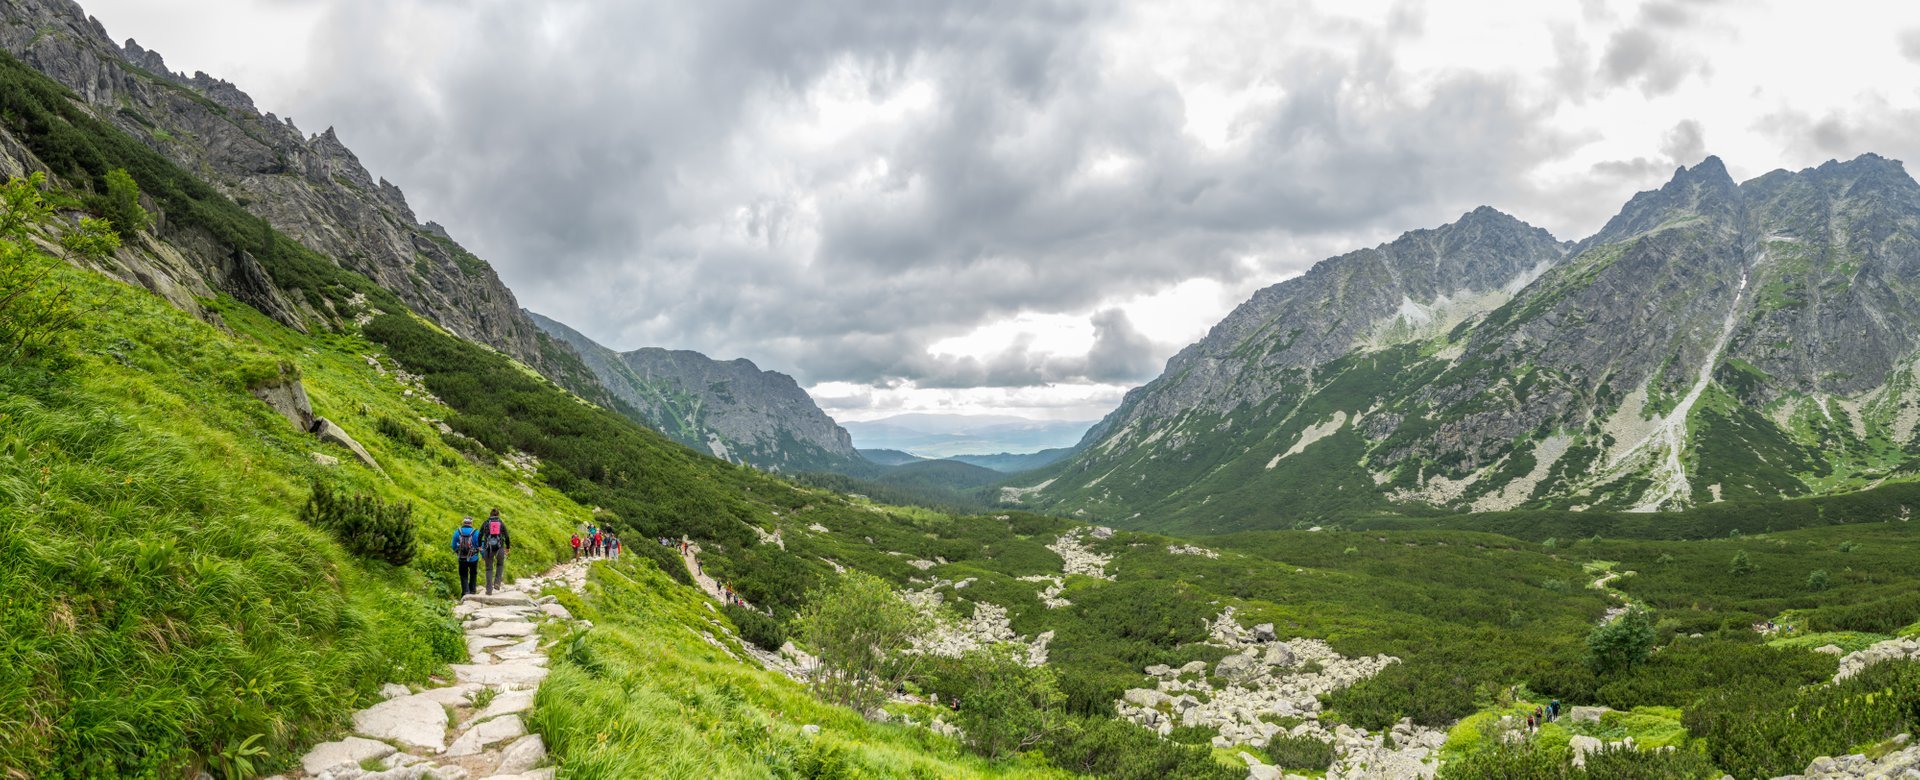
(890, 457)
(731, 409)
(1012, 463)
(947, 435)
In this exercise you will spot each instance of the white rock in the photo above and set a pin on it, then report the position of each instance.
(412, 720)
(814, 730)
(506, 703)
(450, 696)
(518, 673)
(392, 690)
(525, 753)
(557, 611)
(486, 733)
(351, 750)
(503, 629)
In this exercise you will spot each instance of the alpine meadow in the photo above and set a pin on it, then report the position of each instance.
(1613, 479)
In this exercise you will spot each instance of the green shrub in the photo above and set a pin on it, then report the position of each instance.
(756, 627)
(1108, 748)
(1302, 752)
(365, 525)
(400, 433)
(1741, 563)
(1620, 644)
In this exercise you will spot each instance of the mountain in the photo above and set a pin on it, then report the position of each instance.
(1013, 463)
(731, 408)
(890, 457)
(311, 188)
(947, 435)
(1714, 340)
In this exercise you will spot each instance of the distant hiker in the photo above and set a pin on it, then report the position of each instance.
(495, 544)
(576, 545)
(616, 548)
(1553, 708)
(599, 543)
(466, 548)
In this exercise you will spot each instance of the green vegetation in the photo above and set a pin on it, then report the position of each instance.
(365, 525)
(860, 630)
(1620, 644)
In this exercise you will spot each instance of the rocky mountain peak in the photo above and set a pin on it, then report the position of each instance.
(1705, 190)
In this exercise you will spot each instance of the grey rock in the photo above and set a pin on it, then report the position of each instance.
(328, 431)
(525, 753)
(410, 720)
(1237, 668)
(351, 750)
(479, 736)
(287, 396)
(1264, 633)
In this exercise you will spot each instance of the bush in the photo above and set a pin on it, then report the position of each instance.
(399, 433)
(1620, 644)
(1302, 752)
(763, 631)
(1109, 748)
(860, 629)
(1008, 707)
(1741, 563)
(365, 525)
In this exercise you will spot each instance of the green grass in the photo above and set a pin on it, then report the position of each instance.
(644, 695)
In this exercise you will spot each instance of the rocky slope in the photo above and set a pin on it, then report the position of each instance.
(310, 187)
(729, 408)
(1714, 340)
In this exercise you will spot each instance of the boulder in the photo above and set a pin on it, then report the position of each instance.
(1830, 650)
(351, 750)
(1147, 698)
(1194, 667)
(1264, 633)
(288, 397)
(1279, 655)
(328, 431)
(1237, 668)
(525, 753)
(324, 459)
(1582, 746)
(557, 611)
(1587, 714)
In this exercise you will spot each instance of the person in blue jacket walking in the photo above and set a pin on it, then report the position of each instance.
(466, 547)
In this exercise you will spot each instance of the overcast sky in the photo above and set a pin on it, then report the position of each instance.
(1024, 207)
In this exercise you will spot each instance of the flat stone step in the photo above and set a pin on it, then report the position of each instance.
(502, 599)
(507, 703)
(414, 720)
(486, 733)
(502, 629)
(351, 750)
(524, 673)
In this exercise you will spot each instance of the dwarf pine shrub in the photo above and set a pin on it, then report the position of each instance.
(365, 525)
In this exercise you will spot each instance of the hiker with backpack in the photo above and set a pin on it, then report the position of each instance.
(466, 548)
(495, 544)
(576, 545)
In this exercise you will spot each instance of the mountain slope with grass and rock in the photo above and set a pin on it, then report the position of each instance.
(1714, 341)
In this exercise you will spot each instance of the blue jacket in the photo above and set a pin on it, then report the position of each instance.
(475, 533)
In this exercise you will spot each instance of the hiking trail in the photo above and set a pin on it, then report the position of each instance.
(690, 555)
(468, 727)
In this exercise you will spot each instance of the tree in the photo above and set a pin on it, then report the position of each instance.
(1008, 707)
(1817, 581)
(121, 205)
(1620, 644)
(1741, 564)
(859, 630)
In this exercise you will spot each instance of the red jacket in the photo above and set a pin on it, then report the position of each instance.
(576, 540)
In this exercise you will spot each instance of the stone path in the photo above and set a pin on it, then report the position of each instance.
(469, 726)
(708, 585)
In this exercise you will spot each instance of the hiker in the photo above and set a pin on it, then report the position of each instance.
(599, 544)
(616, 548)
(495, 544)
(1553, 708)
(576, 545)
(466, 548)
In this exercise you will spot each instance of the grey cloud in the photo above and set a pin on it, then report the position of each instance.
(1909, 41)
(1648, 53)
(629, 177)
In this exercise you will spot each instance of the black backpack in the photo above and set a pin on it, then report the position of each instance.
(465, 546)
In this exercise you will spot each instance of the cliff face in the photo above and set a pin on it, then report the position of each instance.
(310, 187)
(1714, 340)
(731, 409)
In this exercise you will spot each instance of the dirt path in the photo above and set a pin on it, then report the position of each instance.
(470, 726)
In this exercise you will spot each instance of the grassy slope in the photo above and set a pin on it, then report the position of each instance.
(645, 695)
(168, 605)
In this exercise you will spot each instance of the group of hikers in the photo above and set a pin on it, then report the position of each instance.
(490, 542)
(723, 590)
(1543, 715)
(597, 543)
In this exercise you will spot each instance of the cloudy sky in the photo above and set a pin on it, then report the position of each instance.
(1024, 207)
